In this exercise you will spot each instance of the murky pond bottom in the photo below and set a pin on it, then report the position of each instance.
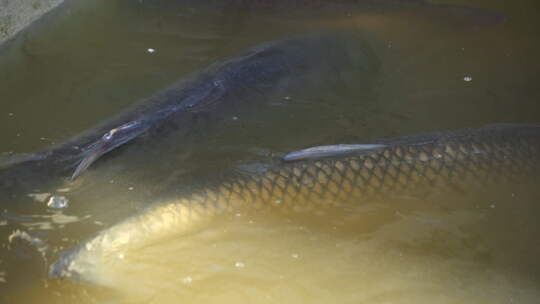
(435, 73)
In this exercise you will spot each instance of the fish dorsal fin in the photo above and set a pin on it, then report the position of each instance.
(329, 151)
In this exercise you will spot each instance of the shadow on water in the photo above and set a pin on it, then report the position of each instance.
(55, 83)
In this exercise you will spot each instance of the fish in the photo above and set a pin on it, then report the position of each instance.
(275, 66)
(466, 158)
(241, 83)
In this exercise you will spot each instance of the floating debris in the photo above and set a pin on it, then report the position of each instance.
(239, 265)
(467, 78)
(40, 197)
(151, 50)
(62, 219)
(58, 202)
(40, 245)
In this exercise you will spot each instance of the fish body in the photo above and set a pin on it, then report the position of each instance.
(242, 83)
(465, 158)
(271, 67)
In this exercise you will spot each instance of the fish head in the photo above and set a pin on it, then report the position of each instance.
(66, 267)
(82, 265)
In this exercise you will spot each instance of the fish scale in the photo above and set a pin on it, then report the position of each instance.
(463, 159)
(491, 156)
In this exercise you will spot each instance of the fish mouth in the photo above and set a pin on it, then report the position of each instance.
(74, 265)
(64, 267)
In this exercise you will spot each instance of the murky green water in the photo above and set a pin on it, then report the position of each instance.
(437, 71)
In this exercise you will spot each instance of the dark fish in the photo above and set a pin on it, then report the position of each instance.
(277, 64)
(465, 158)
(242, 82)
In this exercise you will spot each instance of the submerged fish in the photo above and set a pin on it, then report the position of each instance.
(241, 83)
(273, 67)
(464, 158)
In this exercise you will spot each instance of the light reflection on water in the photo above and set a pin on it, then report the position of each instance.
(416, 250)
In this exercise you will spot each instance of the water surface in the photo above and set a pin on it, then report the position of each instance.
(436, 71)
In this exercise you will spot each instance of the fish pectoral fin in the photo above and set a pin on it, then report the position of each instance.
(109, 141)
(91, 157)
(329, 151)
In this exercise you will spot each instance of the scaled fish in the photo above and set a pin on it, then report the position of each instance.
(466, 158)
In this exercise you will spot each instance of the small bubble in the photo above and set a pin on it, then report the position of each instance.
(235, 118)
(492, 206)
(238, 214)
(287, 97)
(278, 201)
(57, 202)
(187, 280)
(121, 256)
(295, 255)
(467, 78)
(239, 265)
(151, 50)
(10, 114)
(130, 188)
